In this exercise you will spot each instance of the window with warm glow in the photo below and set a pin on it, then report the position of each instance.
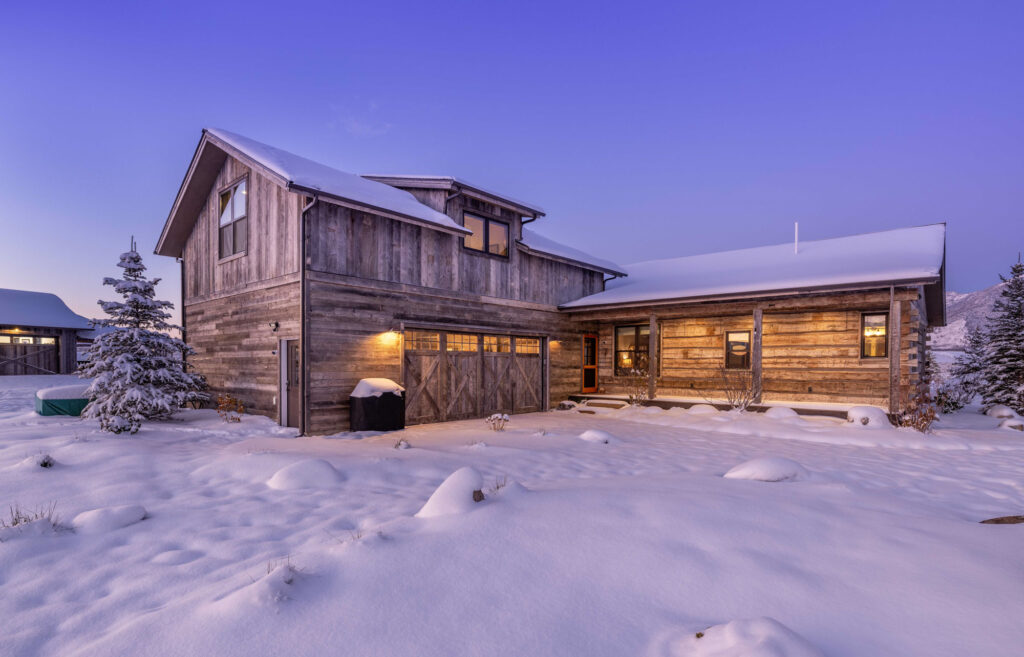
(461, 342)
(874, 332)
(737, 350)
(489, 235)
(422, 341)
(46, 341)
(528, 346)
(497, 344)
(5, 339)
(631, 349)
(233, 210)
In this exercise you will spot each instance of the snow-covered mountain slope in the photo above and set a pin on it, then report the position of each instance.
(964, 310)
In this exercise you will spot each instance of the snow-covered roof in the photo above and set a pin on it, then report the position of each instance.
(21, 308)
(536, 242)
(448, 182)
(312, 176)
(903, 255)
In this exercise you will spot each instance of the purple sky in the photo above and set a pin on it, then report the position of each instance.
(644, 131)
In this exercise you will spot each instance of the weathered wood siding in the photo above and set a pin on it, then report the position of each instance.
(349, 320)
(692, 353)
(235, 346)
(272, 238)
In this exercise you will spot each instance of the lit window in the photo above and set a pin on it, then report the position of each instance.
(498, 344)
(422, 341)
(737, 350)
(46, 341)
(462, 342)
(5, 339)
(528, 346)
(489, 235)
(873, 335)
(233, 219)
(23, 340)
(631, 349)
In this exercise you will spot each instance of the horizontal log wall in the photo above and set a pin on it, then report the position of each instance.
(235, 344)
(693, 354)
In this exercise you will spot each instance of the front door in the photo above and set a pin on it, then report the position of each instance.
(293, 383)
(589, 363)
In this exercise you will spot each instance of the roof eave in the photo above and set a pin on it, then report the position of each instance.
(572, 261)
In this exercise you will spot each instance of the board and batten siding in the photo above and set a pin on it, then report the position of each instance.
(272, 249)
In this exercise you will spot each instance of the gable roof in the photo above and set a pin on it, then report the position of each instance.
(24, 308)
(294, 172)
(451, 182)
(902, 256)
(534, 242)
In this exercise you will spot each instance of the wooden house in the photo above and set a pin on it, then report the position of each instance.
(298, 280)
(38, 333)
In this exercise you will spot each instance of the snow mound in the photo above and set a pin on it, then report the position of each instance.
(781, 413)
(311, 473)
(702, 409)
(64, 392)
(1012, 423)
(454, 495)
(598, 436)
(101, 521)
(871, 417)
(772, 468)
(1000, 411)
(755, 637)
(376, 388)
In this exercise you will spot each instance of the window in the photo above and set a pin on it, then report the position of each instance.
(528, 346)
(737, 350)
(873, 334)
(5, 339)
(422, 341)
(631, 349)
(489, 235)
(497, 344)
(46, 341)
(23, 340)
(232, 220)
(461, 342)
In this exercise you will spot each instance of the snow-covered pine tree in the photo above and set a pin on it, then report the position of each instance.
(139, 369)
(968, 370)
(1004, 355)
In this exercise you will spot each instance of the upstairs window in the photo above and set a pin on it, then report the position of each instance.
(489, 235)
(737, 350)
(874, 332)
(631, 349)
(233, 210)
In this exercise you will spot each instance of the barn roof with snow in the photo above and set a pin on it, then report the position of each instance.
(894, 257)
(22, 308)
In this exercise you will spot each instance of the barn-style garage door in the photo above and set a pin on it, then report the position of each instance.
(455, 376)
(29, 355)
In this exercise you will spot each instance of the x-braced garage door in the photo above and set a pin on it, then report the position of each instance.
(455, 376)
(29, 355)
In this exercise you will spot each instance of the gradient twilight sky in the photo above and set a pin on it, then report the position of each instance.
(644, 130)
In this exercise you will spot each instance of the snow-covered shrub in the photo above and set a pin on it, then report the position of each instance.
(498, 421)
(1012, 423)
(919, 413)
(868, 416)
(772, 468)
(951, 396)
(402, 443)
(139, 371)
(739, 388)
(781, 413)
(46, 461)
(598, 436)
(456, 494)
(999, 410)
(229, 408)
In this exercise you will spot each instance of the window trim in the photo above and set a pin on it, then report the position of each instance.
(861, 342)
(218, 227)
(636, 344)
(487, 235)
(725, 347)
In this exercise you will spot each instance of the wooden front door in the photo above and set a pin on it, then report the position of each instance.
(293, 383)
(589, 374)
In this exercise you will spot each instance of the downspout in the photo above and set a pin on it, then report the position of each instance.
(303, 324)
(526, 221)
(184, 335)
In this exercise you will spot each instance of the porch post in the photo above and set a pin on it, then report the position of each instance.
(895, 328)
(652, 358)
(755, 355)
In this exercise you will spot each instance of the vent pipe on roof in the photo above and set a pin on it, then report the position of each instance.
(796, 237)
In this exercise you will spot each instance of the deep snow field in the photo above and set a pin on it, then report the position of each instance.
(625, 541)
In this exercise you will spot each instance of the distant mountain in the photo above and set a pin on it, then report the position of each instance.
(964, 310)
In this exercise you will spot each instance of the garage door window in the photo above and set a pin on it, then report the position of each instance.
(527, 346)
(497, 344)
(422, 341)
(462, 342)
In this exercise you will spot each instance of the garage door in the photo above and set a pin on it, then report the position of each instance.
(29, 355)
(457, 376)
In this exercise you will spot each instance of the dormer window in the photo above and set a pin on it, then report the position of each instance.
(233, 211)
(489, 235)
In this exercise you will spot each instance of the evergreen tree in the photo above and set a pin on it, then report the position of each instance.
(1004, 361)
(139, 369)
(968, 369)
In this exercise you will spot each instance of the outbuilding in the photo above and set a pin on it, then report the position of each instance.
(38, 333)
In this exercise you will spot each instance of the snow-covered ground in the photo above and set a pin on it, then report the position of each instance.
(199, 537)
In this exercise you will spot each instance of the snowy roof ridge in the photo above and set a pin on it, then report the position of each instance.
(447, 181)
(903, 254)
(534, 241)
(308, 175)
(26, 308)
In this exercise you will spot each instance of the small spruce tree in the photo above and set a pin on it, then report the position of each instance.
(140, 371)
(968, 370)
(1004, 356)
